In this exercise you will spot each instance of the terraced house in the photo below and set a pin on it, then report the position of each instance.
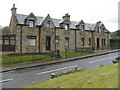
(45, 34)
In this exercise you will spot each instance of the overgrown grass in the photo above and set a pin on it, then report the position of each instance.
(101, 77)
(74, 54)
(9, 61)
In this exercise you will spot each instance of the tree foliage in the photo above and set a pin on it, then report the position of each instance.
(118, 33)
(115, 35)
(5, 30)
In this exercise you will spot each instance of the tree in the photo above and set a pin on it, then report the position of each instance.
(5, 30)
(118, 33)
(115, 40)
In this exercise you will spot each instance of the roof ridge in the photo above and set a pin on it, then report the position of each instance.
(27, 15)
(56, 21)
(54, 18)
(22, 14)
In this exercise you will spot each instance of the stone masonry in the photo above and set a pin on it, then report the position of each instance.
(46, 34)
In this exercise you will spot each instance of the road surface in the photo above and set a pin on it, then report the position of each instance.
(23, 77)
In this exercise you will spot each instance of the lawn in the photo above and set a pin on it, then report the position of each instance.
(101, 77)
(74, 54)
(9, 61)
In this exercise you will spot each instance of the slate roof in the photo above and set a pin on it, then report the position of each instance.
(21, 18)
(56, 22)
(90, 26)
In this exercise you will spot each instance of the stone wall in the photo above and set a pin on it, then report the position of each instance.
(41, 32)
(22, 36)
(61, 33)
(47, 31)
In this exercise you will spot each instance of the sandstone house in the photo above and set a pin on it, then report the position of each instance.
(33, 33)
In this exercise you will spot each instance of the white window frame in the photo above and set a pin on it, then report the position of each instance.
(66, 41)
(31, 41)
(12, 42)
(66, 27)
(82, 42)
(48, 24)
(82, 27)
(31, 23)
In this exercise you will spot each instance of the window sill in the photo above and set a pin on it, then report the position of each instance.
(31, 46)
(66, 30)
(31, 27)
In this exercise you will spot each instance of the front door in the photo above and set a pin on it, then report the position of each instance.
(98, 44)
(48, 39)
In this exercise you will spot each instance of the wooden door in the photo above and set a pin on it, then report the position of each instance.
(48, 39)
(98, 44)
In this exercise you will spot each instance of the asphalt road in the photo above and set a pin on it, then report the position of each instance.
(23, 77)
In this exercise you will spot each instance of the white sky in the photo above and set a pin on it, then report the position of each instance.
(90, 11)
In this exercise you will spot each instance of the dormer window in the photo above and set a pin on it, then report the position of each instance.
(103, 30)
(97, 29)
(48, 24)
(31, 23)
(82, 27)
(66, 26)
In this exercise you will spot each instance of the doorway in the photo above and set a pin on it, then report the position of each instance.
(98, 44)
(48, 39)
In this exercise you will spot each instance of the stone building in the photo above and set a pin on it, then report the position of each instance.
(46, 34)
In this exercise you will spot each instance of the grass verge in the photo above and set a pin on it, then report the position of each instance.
(74, 54)
(101, 77)
(10, 61)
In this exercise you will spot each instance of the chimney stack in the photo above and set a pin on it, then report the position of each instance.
(14, 9)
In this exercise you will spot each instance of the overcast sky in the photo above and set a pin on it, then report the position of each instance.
(90, 11)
